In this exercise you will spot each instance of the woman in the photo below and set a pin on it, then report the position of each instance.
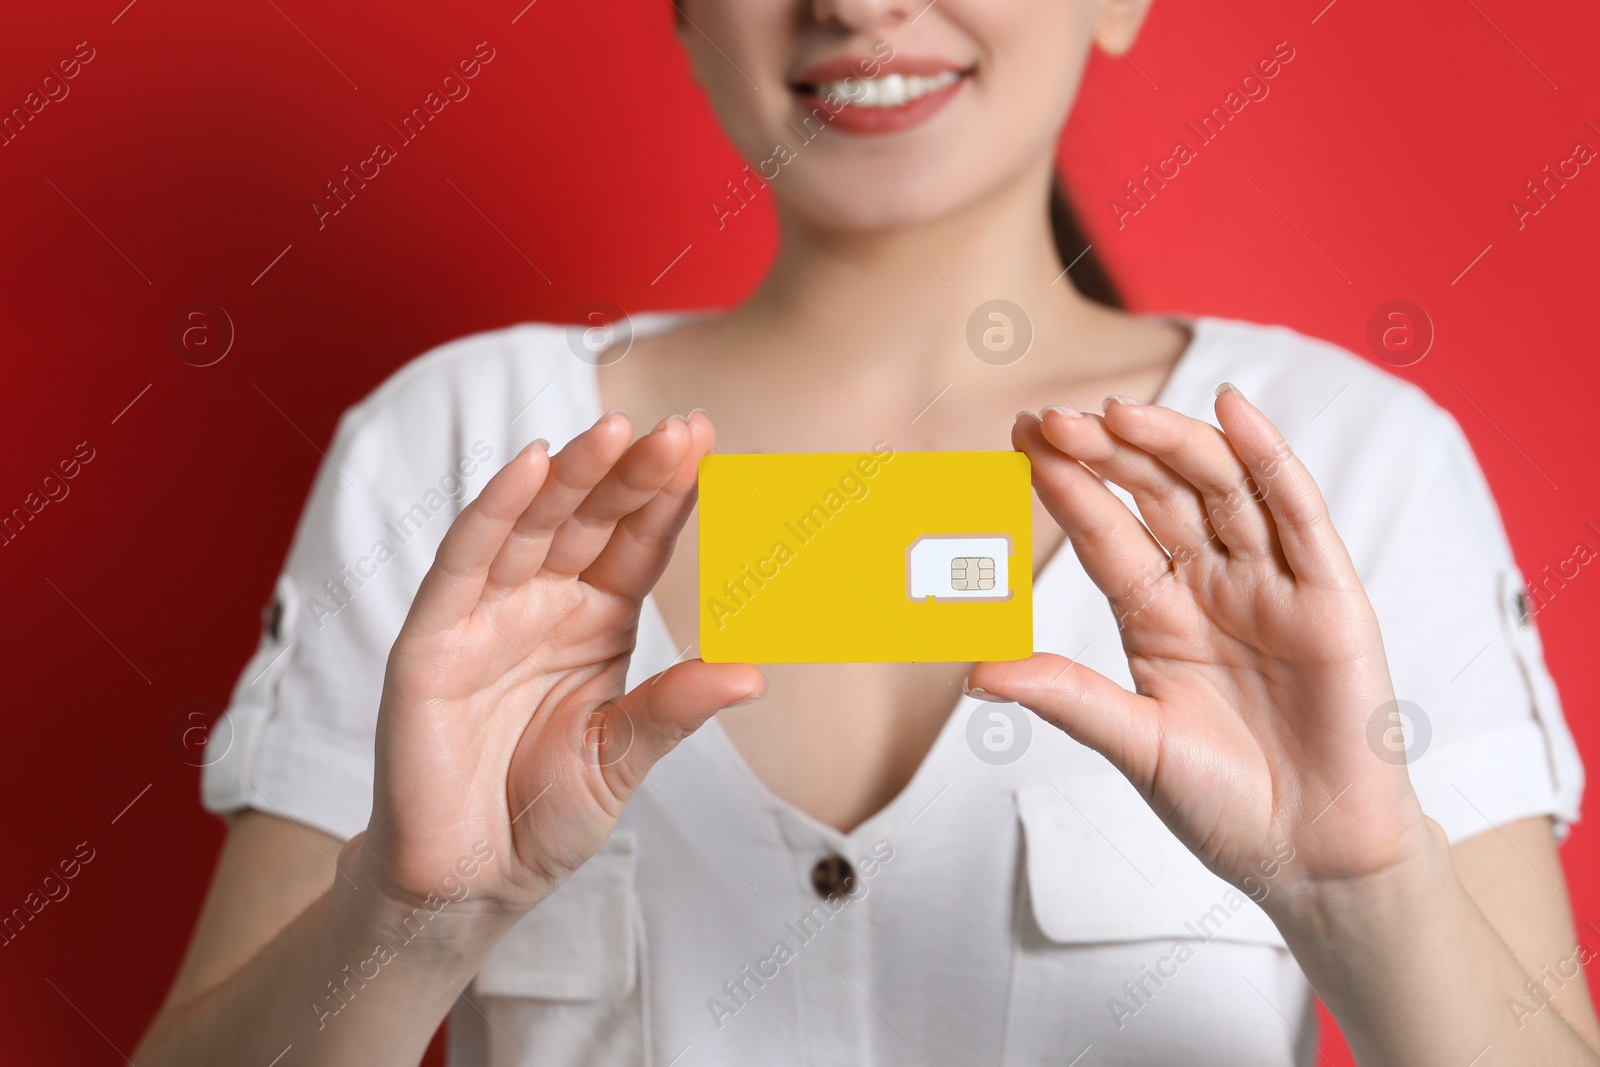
(430, 757)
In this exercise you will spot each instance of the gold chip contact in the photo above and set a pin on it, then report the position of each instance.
(972, 572)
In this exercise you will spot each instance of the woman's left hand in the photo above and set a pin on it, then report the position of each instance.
(1254, 650)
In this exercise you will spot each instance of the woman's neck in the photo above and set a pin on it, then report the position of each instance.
(906, 292)
(859, 336)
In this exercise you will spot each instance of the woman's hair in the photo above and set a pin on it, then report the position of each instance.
(1088, 273)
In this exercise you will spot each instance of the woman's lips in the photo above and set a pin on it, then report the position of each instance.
(899, 95)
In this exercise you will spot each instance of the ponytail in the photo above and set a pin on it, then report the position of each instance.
(1088, 274)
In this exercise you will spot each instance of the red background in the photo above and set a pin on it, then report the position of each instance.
(196, 139)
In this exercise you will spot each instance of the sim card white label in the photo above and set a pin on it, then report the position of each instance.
(959, 567)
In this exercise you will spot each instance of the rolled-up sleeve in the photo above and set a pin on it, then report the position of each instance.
(297, 739)
(298, 736)
(1487, 741)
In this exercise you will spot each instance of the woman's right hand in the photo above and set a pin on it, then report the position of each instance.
(503, 720)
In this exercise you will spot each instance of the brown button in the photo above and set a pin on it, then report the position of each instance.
(833, 876)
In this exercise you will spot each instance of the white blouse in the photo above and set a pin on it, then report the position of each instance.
(1017, 903)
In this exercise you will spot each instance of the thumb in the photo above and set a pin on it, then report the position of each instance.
(661, 711)
(1123, 727)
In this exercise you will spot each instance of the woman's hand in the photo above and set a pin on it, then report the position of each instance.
(1254, 650)
(503, 721)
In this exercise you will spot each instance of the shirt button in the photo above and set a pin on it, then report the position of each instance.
(833, 876)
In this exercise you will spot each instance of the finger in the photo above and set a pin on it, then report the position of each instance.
(575, 470)
(657, 714)
(453, 585)
(635, 480)
(1117, 552)
(641, 545)
(1311, 547)
(1123, 727)
(1170, 506)
(1201, 455)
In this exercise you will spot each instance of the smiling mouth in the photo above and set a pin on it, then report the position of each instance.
(883, 91)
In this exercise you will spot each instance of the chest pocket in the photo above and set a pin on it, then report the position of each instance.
(565, 985)
(1128, 945)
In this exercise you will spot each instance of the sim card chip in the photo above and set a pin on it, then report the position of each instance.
(972, 572)
(959, 567)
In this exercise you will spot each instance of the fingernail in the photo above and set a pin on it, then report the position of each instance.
(1105, 405)
(749, 699)
(1025, 415)
(607, 415)
(541, 442)
(1061, 409)
(981, 694)
(698, 411)
(1228, 387)
(663, 423)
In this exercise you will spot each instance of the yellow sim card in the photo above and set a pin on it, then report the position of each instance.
(866, 557)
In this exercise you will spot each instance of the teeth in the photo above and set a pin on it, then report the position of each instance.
(889, 90)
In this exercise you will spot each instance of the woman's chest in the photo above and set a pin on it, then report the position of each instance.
(838, 741)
